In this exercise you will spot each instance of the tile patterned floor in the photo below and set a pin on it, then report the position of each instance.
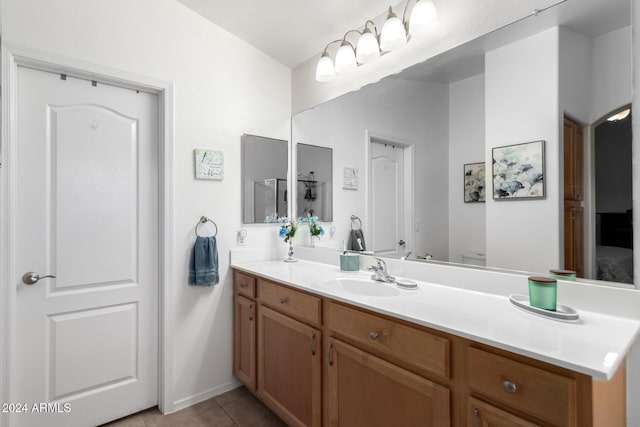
(236, 408)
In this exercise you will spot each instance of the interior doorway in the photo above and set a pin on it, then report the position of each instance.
(613, 199)
(390, 196)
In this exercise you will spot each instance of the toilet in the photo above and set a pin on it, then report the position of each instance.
(474, 258)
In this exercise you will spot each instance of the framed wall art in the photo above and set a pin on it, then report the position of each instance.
(518, 171)
(209, 164)
(349, 178)
(474, 183)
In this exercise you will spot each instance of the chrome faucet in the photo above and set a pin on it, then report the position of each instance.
(380, 272)
(406, 256)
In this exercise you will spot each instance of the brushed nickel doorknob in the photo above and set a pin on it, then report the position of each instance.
(31, 277)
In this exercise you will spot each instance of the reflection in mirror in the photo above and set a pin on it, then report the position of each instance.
(314, 193)
(511, 86)
(613, 198)
(264, 179)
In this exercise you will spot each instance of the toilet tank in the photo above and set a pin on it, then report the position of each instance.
(474, 258)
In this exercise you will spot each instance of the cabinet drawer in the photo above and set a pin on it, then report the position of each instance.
(545, 395)
(414, 347)
(290, 302)
(244, 284)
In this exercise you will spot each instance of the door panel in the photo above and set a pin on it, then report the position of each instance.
(96, 167)
(88, 335)
(87, 212)
(387, 199)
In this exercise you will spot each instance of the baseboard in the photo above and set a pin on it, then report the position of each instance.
(207, 394)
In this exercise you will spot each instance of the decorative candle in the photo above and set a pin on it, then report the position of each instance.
(543, 292)
(563, 274)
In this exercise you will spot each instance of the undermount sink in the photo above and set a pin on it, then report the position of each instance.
(358, 286)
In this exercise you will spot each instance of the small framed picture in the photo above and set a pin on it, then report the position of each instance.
(209, 164)
(474, 183)
(518, 171)
(350, 178)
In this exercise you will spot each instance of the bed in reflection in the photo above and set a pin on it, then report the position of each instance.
(614, 251)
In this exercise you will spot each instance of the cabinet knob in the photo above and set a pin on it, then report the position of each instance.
(283, 300)
(243, 285)
(509, 387)
(373, 335)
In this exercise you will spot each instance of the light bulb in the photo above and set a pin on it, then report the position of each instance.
(345, 59)
(325, 71)
(424, 17)
(367, 49)
(393, 35)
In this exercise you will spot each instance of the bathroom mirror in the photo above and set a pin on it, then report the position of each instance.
(453, 109)
(314, 191)
(264, 179)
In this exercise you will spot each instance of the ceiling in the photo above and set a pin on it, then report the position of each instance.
(590, 18)
(291, 31)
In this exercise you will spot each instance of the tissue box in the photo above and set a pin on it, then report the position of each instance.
(349, 262)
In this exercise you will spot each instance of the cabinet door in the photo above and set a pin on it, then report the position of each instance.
(289, 368)
(364, 390)
(573, 160)
(483, 415)
(244, 341)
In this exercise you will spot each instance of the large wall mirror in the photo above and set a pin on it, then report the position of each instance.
(512, 86)
(314, 192)
(264, 179)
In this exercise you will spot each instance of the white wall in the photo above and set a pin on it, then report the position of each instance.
(521, 90)
(223, 88)
(467, 221)
(575, 76)
(460, 21)
(411, 111)
(611, 69)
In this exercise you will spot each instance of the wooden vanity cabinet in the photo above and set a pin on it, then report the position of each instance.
(244, 330)
(289, 354)
(315, 361)
(364, 390)
(481, 414)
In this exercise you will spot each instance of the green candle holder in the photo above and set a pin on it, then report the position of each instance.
(543, 292)
(563, 275)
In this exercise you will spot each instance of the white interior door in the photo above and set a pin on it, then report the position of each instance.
(386, 195)
(87, 212)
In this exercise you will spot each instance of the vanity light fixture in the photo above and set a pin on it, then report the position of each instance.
(395, 34)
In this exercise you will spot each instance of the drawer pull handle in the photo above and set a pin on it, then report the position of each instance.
(243, 285)
(330, 354)
(313, 344)
(283, 300)
(373, 335)
(509, 387)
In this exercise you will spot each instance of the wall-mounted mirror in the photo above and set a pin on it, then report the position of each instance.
(264, 179)
(314, 192)
(512, 86)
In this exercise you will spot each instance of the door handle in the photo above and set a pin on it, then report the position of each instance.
(31, 277)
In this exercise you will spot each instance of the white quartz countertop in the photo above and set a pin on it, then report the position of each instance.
(595, 345)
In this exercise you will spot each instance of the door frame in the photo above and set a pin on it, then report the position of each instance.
(13, 57)
(408, 178)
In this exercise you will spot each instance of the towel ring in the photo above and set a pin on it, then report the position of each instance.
(354, 218)
(204, 220)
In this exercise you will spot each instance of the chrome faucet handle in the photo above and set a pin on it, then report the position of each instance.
(382, 265)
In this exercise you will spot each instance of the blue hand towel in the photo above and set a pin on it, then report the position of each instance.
(203, 266)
